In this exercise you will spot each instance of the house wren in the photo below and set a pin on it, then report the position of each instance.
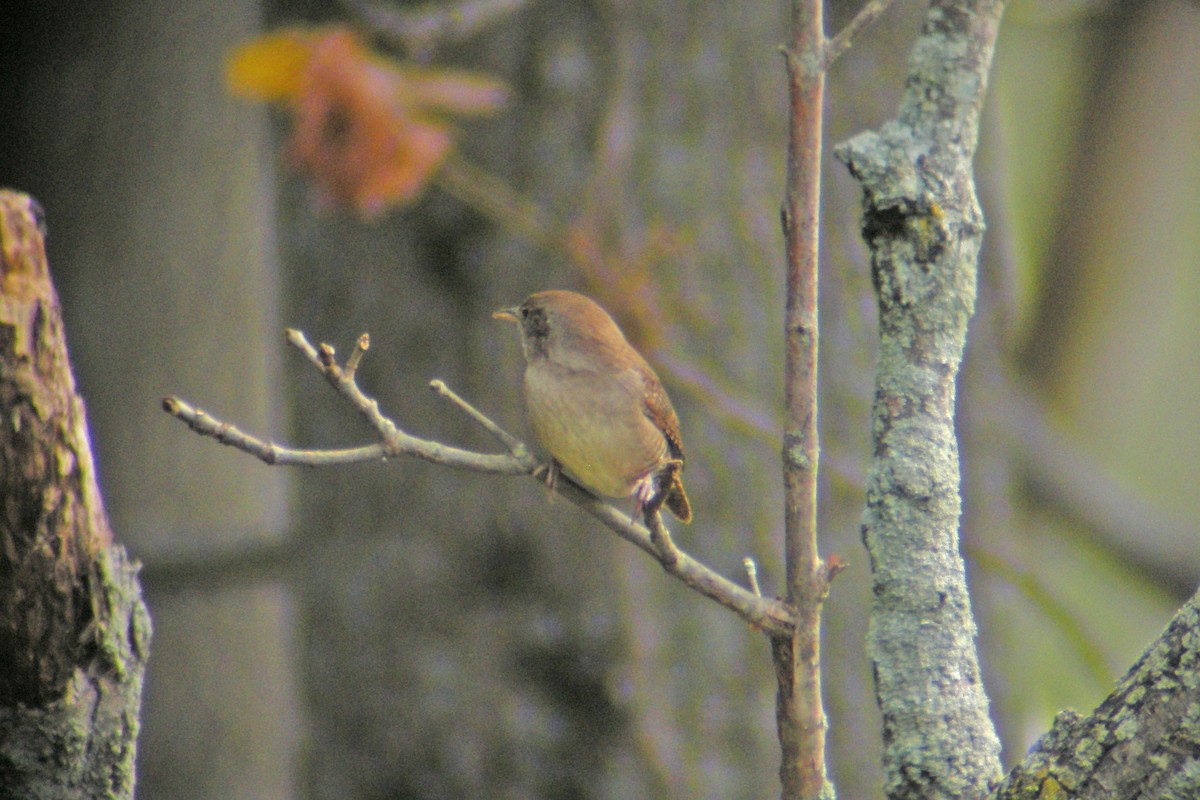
(595, 403)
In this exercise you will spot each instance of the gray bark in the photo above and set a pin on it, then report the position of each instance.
(1143, 741)
(923, 225)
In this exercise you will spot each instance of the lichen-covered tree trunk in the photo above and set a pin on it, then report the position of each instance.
(923, 224)
(73, 629)
(1142, 741)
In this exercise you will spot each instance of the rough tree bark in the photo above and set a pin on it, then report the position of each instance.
(73, 630)
(1143, 741)
(923, 225)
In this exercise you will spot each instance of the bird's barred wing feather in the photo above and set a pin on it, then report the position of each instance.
(658, 408)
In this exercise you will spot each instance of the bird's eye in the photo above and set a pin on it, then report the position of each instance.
(524, 312)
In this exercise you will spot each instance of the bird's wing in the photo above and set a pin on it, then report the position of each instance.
(660, 411)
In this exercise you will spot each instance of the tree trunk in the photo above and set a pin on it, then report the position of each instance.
(158, 190)
(73, 629)
(924, 227)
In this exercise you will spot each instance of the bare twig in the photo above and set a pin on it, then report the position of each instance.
(840, 43)
(800, 226)
(267, 452)
(668, 553)
(771, 616)
(752, 575)
(394, 442)
(800, 714)
(496, 199)
(514, 445)
(360, 349)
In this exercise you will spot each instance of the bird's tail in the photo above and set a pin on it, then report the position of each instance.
(677, 501)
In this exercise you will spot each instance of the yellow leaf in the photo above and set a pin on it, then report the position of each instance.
(270, 67)
(369, 131)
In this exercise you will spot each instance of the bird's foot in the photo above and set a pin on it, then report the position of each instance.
(552, 471)
(647, 497)
(653, 490)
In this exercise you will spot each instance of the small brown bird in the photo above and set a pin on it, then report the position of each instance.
(596, 404)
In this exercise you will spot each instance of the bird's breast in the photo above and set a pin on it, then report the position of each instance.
(594, 425)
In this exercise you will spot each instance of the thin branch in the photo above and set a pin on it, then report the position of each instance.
(266, 452)
(771, 616)
(499, 202)
(360, 349)
(514, 445)
(800, 215)
(845, 37)
(752, 575)
(297, 340)
(668, 553)
(800, 714)
(396, 442)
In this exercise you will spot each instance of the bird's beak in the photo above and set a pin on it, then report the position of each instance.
(509, 314)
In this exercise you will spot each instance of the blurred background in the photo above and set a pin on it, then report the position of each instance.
(399, 630)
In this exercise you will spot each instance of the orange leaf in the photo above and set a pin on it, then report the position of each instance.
(370, 132)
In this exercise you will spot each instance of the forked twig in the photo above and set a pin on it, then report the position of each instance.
(768, 615)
